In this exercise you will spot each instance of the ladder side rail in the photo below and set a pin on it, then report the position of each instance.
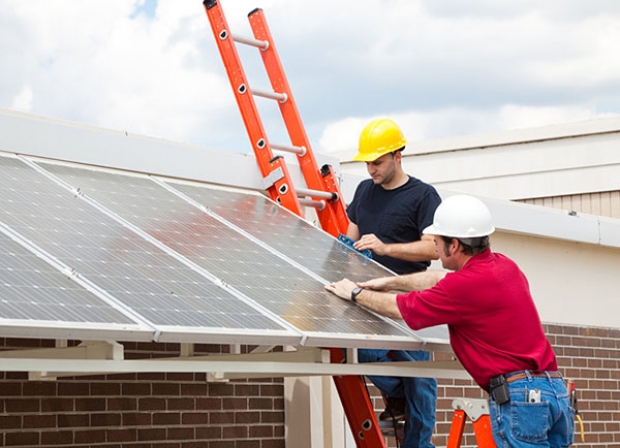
(351, 389)
(274, 169)
(481, 425)
(484, 432)
(333, 218)
(357, 406)
(456, 429)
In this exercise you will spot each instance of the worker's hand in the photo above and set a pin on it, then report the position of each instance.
(342, 289)
(377, 284)
(370, 241)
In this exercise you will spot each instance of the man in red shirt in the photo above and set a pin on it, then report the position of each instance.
(495, 330)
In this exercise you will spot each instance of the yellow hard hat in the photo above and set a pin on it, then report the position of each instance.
(381, 136)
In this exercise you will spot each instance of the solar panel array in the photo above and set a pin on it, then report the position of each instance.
(100, 250)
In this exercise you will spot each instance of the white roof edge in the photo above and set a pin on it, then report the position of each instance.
(513, 137)
(528, 219)
(56, 139)
(33, 118)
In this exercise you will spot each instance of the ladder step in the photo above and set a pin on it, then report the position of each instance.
(260, 44)
(301, 150)
(319, 205)
(281, 97)
(388, 429)
(331, 196)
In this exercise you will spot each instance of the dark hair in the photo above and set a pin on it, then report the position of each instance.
(470, 246)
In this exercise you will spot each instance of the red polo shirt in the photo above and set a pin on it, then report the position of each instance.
(493, 322)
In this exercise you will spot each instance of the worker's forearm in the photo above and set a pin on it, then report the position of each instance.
(414, 251)
(353, 231)
(404, 283)
(418, 281)
(383, 303)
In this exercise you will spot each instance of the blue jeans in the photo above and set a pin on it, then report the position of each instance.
(420, 394)
(548, 423)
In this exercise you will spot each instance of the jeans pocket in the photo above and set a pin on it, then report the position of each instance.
(530, 422)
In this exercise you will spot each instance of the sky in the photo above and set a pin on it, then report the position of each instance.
(439, 68)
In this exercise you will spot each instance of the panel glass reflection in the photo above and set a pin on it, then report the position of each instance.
(110, 255)
(33, 290)
(269, 280)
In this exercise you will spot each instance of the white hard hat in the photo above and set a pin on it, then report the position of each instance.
(461, 216)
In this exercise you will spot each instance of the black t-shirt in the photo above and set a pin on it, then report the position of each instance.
(394, 216)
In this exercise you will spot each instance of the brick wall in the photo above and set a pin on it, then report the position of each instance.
(184, 411)
(177, 410)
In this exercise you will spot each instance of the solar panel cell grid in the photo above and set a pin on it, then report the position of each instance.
(31, 289)
(266, 278)
(293, 237)
(140, 275)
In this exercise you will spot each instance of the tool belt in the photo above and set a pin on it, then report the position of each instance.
(498, 386)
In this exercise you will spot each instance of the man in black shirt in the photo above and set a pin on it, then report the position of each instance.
(387, 214)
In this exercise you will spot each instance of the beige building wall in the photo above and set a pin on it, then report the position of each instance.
(563, 161)
(606, 203)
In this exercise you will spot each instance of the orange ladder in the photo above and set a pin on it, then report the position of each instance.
(478, 412)
(323, 191)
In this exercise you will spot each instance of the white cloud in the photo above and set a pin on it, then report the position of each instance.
(340, 138)
(23, 100)
(521, 117)
(439, 68)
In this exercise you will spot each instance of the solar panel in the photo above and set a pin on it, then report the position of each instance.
(168, 295)
(299, 240)
(240, 262)
(34, 294)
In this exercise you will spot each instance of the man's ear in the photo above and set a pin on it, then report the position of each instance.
(456, 245)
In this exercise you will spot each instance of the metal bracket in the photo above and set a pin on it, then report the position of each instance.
(273, 177)
(88, 350)
(473, 407)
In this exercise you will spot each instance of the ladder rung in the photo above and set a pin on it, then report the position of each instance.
(301, 150)
(330, 196)
(262, 44)
(281, 97)
(319, 205)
